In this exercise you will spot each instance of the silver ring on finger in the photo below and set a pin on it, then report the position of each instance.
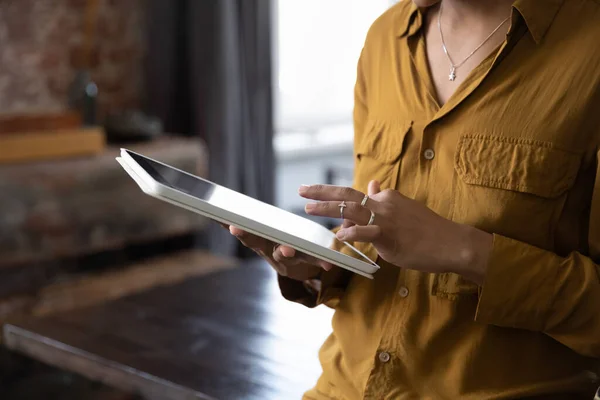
(372, 219)
(342, 206)
(363, 203)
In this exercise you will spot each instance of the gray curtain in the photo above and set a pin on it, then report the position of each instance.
(209, 74)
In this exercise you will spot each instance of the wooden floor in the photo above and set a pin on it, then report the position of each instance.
(228, 335)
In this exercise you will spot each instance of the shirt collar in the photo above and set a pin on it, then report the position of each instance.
(409, 20)
(538, 16)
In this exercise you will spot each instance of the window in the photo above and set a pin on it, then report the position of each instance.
(317, 45)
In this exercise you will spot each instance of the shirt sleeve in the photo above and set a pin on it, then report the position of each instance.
(333, 283)
(534, 289)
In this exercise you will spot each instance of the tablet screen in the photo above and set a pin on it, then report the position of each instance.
(240, 204)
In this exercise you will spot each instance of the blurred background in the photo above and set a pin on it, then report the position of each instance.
(256, 95)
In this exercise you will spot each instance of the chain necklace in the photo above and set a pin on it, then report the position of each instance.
(453, 67)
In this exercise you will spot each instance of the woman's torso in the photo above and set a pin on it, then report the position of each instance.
(512, 152)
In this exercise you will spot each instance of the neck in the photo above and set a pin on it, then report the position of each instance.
(475, 13)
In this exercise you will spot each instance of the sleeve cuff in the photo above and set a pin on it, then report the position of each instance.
(333, 285)
(519, 287)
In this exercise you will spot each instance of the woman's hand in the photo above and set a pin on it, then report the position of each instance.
(404, 232)
(285, 260)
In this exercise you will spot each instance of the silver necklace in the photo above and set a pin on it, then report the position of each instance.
(453, 67)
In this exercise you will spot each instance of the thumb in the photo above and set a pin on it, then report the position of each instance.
(287, 252)
(374, 188)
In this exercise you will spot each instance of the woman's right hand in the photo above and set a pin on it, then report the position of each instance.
(285, 260)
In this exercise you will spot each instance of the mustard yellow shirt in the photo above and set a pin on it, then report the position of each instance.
(514, 152)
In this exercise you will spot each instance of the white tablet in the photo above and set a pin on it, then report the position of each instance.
(233, 208)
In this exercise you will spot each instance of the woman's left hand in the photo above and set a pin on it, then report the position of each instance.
(405, 232)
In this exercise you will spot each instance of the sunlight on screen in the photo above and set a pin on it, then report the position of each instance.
(271, 216)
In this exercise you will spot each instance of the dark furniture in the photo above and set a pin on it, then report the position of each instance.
(228, 335)
(74, 207)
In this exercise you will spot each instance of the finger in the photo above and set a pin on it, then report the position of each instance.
(324, 264)
(347, 223)
(374, 188)
(236, 231)
(252, 241)
(249, 237)
(281, 254)
(289, 256)
(282, 258)
(359, 233)
(353, 211)
(331, 193)
(287, 252)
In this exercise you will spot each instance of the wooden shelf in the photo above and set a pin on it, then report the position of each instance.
(27, 147)
(72, 207)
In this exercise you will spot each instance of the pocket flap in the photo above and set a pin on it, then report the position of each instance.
(521, 165)
(382, 139)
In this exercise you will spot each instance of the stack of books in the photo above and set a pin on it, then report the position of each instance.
(29, 138)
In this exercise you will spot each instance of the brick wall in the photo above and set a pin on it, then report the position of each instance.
(40, 38)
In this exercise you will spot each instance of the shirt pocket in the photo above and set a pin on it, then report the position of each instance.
(513, 187)
(378, 153)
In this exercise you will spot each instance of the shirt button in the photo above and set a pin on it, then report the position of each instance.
(429, 154)
(403, 292)
(384, 357)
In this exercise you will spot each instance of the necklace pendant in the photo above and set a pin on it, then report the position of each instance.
(452, 75)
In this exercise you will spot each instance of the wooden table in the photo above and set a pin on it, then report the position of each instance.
(229, 335)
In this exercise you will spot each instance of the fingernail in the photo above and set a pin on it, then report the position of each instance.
(303, 188)
(284, 255)
(341, 235)
(310, 206)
